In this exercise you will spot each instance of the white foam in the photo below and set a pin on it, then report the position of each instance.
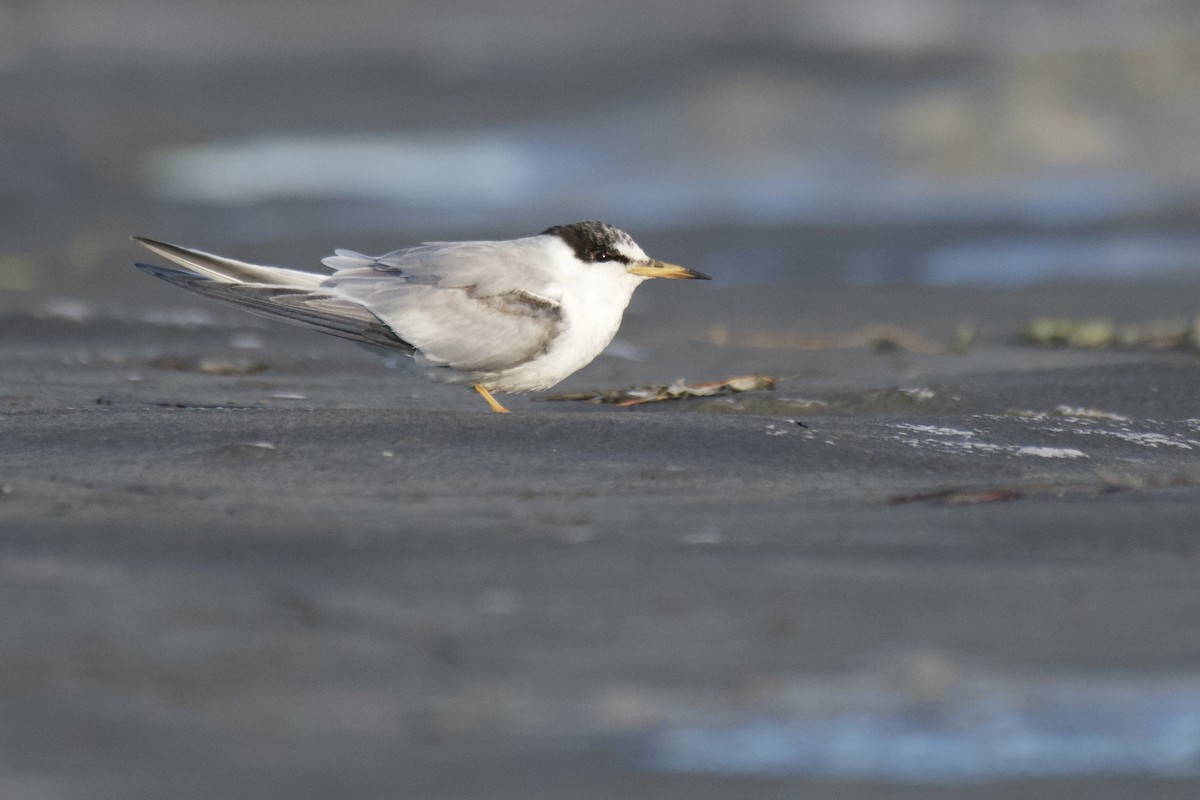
(1051, 452)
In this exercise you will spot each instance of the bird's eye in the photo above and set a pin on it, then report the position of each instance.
(604, 255)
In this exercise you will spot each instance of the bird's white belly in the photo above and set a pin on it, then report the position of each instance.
(569, 353)
(590, 321)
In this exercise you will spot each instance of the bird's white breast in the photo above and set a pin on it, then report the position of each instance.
(593, 298)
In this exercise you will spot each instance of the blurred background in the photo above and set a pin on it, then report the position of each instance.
(863, 141)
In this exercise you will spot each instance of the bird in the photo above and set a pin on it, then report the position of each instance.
(511, 317)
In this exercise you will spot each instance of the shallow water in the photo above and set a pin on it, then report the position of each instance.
(502, 177)
(983, 730)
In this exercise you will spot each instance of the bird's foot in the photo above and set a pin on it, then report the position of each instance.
(491, 401)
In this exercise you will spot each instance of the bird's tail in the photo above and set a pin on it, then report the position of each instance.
(227, 270)
(284, 294)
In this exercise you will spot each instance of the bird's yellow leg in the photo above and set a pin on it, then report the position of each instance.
(491, 401)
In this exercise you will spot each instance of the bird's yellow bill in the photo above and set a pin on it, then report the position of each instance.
(661, 269)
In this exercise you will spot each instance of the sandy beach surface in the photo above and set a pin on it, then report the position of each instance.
(242, 560)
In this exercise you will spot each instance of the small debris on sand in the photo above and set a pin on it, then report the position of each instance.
(210, 366)
(1070, 412)
(639, 395)
(958, 497)
(1101, 333)
(879, 338)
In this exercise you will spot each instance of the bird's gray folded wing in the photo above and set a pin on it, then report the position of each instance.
(337, 316)
(488, 268)
(459, 327)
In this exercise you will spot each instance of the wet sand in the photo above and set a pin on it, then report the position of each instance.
(239, 560)
(244, 560)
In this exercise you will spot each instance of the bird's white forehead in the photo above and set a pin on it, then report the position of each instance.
(629, 248)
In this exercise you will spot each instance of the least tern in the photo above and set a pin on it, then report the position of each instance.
(508, 316)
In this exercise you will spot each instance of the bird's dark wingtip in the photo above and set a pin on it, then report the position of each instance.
(169, 274)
